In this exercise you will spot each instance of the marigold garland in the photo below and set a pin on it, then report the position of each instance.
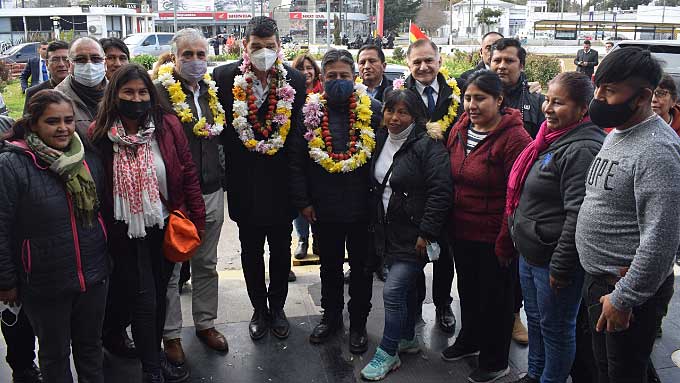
(178, 99)
(320, 142)
(452, 112)
(280, 105)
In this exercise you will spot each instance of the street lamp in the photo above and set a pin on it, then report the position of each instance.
(55, 24)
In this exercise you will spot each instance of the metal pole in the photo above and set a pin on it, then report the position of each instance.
(174, 15)
(328, 24)
(562, 11)
(663, 13)
(580, 16)
(252, 8)
(451, 22)
(313, 21)
(469, 27)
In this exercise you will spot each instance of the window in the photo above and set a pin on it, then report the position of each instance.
(164, 39)
(17, 24)
(29, 50)
(151, 40)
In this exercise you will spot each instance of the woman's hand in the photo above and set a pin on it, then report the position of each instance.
(504, 262)
(421, 248)
(557, 283)
(8, 296)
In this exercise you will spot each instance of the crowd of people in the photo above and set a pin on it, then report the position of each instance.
(525, 195)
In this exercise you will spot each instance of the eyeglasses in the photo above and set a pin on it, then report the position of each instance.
(661, 93)
(58, 59)
(86, 59)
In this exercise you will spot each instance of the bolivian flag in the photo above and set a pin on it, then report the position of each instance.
(414, 33)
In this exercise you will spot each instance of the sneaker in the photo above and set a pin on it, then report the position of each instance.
(527, 379)
(381, 365)
(453, 353)
(409, 346)
(519, 332)
(483, 376)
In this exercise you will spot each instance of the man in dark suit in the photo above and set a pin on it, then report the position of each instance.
(424, 62)
(257, 182)
(488, 40)
(586, 59)
(36, 69)
(57, 66)
(371, 61)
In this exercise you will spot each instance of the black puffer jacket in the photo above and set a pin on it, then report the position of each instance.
(422, 192)
(38, 251)
(544, 223)
(529, 105)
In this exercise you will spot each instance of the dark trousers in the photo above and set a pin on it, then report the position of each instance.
(486, 292)
(623, 357)
(140, 282)
(69, 321)
(332, 239)
(20, 341)
(583, 370)
(442, 279)
(252, 259)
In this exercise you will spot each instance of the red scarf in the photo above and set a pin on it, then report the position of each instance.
(317, 88)
(523, 163)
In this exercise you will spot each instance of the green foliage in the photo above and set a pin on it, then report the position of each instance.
(459, 61)
(226, 57)
(488, 16)
(146, 61)
(67, 36)
(398, 55)
(400, 12)
(292, 50)
(541, 68)
(337, 30)
(14, 98)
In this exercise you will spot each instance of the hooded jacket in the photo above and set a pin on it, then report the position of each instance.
(422, 190)
(543, 226)
(481, 177)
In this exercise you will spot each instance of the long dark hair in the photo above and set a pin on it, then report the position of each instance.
(35, 108)
(412, 101)
(109, 109)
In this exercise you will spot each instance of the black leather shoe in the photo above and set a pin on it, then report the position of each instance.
(172, 373)
(315, 247)
(302, 248)
(326, 328)
(29, 375)
(259, 324)
(358, 341)
(446, 320)
(280, 326)
(120, 344)
(291, 276)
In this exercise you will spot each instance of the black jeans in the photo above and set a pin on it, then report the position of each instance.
(252, 260)
(332, 239)
(486, 303)
(140, 281)
(583, 370)
(623, 357)
(69, 321)
(442, 279)
(20, 341)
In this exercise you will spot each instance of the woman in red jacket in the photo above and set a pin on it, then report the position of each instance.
(483, 145)
(149, 172)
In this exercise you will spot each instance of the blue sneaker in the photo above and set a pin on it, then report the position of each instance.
(409, 346)
(381, 365)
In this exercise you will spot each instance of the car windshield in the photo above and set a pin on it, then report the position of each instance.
(669, 61)
(13, 50)
(134, 39)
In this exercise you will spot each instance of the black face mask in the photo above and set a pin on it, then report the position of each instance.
(134, 110)
(611, 115)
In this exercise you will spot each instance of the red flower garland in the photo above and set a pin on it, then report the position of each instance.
(328, 139)
(252, 107)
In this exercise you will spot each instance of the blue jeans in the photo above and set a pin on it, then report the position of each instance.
(301, 226)
(551, 315)
(400, 295)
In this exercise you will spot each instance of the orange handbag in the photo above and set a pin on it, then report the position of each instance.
(181, 238)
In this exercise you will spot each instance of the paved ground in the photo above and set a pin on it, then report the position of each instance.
(295, 360)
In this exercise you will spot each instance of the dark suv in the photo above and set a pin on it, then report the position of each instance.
(666, 51)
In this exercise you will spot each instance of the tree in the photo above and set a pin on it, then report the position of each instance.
(488, 17)
(430, 19)
(398, 12)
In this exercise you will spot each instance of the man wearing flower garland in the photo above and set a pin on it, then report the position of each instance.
(265, 98)
(184, 88)
(441, 98)
(329, 184)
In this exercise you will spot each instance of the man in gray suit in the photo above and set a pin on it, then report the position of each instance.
(586, 59)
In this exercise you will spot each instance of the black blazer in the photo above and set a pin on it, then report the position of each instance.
(443, 100)
(384, 86)
(35, 89)
(32, 70)
(257, 184)
(590, 61)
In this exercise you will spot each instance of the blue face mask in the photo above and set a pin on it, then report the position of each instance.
(338, 91)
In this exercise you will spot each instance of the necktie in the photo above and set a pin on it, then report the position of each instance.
(429, 92)
(45, 76)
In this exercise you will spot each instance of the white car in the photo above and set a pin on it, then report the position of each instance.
(154, 44)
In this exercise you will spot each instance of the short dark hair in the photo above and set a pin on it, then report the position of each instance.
(381, 54)
(608, 42)
(668, 84)
(488, 82)
(629, 63)
(262, 26)
(421, 42)
(44, 43)
(505, 43)
(56, 45)
(578, 86)
(587, 42)
(335, 55)
(114, 42)
(492, 33)
(413, 102)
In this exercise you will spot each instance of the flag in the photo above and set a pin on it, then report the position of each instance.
(414, 33)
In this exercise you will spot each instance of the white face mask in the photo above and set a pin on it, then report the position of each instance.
(263, 59)
(89, 74)
(12, 309)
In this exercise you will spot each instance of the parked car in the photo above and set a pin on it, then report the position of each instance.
(20, 53)
(666, 51)
(154, 44)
